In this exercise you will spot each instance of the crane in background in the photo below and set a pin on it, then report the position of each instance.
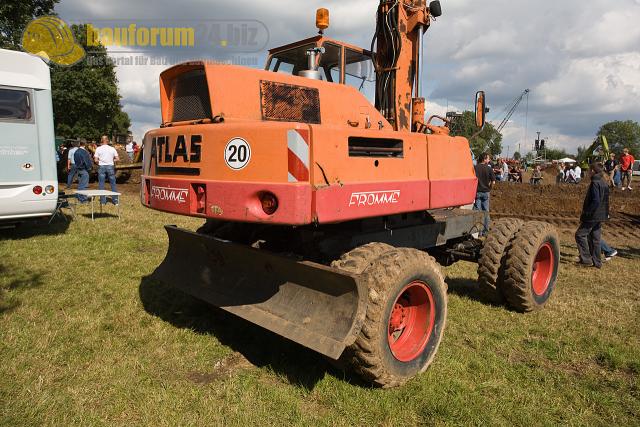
(511, 108)
(455, 118)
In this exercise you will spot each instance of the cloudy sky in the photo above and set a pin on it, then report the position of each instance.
(581, 60)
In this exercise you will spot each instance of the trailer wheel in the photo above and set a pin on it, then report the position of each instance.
(406, 316)
(531, 267)
(492, 257)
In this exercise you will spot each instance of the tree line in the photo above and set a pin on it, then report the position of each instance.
(86, 100)
(619, 134)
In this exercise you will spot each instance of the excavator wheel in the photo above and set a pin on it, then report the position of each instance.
(405, 320)
(531, 266)
(358, 259)
(492, 257)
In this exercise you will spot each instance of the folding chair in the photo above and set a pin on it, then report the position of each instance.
(63, 203)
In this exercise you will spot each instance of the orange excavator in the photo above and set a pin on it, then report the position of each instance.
(329, 201)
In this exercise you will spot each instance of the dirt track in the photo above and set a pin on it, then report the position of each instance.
(561, 205)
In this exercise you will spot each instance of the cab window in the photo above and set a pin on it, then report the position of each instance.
(294, 60)
(360, 73)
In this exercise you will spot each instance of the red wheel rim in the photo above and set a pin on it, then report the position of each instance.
(411, 321)
(542, 269)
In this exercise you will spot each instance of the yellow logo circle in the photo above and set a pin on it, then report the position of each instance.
(51, 38)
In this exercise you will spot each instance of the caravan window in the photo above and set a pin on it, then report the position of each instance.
(15, 105)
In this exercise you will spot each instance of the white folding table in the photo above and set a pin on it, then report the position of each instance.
(92, 194)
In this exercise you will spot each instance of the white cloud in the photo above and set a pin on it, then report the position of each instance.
(614, 31)
(611, 82)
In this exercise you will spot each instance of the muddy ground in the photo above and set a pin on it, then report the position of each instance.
(561, 205)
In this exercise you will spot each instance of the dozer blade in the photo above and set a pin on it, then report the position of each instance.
(311, 304)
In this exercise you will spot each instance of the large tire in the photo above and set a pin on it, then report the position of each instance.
(492, 257)
(531, 266)
(405, 320)
(358, 259)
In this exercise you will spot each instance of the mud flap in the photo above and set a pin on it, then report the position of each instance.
(316, 306)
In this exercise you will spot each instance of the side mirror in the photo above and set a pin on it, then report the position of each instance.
(435, 9)
(481, 109)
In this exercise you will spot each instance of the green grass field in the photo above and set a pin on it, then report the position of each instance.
(85, 339)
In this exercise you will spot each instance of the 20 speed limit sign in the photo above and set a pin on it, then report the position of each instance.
(237, 154)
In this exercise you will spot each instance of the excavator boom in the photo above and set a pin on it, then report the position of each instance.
(400, 27)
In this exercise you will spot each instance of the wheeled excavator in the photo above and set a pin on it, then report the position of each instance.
(330, 201)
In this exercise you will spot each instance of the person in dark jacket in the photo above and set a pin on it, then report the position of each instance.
(84, 165)
(486, 180)
(594, 211)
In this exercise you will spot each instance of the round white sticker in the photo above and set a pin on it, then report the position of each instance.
(237, 154)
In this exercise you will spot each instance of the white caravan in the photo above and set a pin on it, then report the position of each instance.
(28, 180)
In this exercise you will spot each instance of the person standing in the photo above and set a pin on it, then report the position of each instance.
(497, 170)
(84, 165)
(71, 164)
(595, 210)
(560, 174)
(577, 173)
(610, 167)
(486, 180)
(129, 147)
(505, 171)
(536, 176)
(574, 175)
(106, 156)
(626, 169)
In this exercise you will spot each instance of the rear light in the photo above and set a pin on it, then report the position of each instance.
(200, 194)
(199, 202)
(37, 190)
(269, 203)
(49, 189)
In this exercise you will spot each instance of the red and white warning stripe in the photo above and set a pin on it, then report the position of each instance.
(298, 155)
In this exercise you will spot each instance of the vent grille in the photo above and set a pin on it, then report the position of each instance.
(375, 147)
(289, 103)
(189, 97)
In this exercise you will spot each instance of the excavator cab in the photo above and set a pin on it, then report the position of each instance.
(328, 60)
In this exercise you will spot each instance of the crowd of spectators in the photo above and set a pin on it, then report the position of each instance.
(505, 171)
(569, 173)
(79, 159)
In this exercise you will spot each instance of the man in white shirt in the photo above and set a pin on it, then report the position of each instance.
(106, 157)
(71, 164)
(129, 147)
(573, 175)
(505, 171)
